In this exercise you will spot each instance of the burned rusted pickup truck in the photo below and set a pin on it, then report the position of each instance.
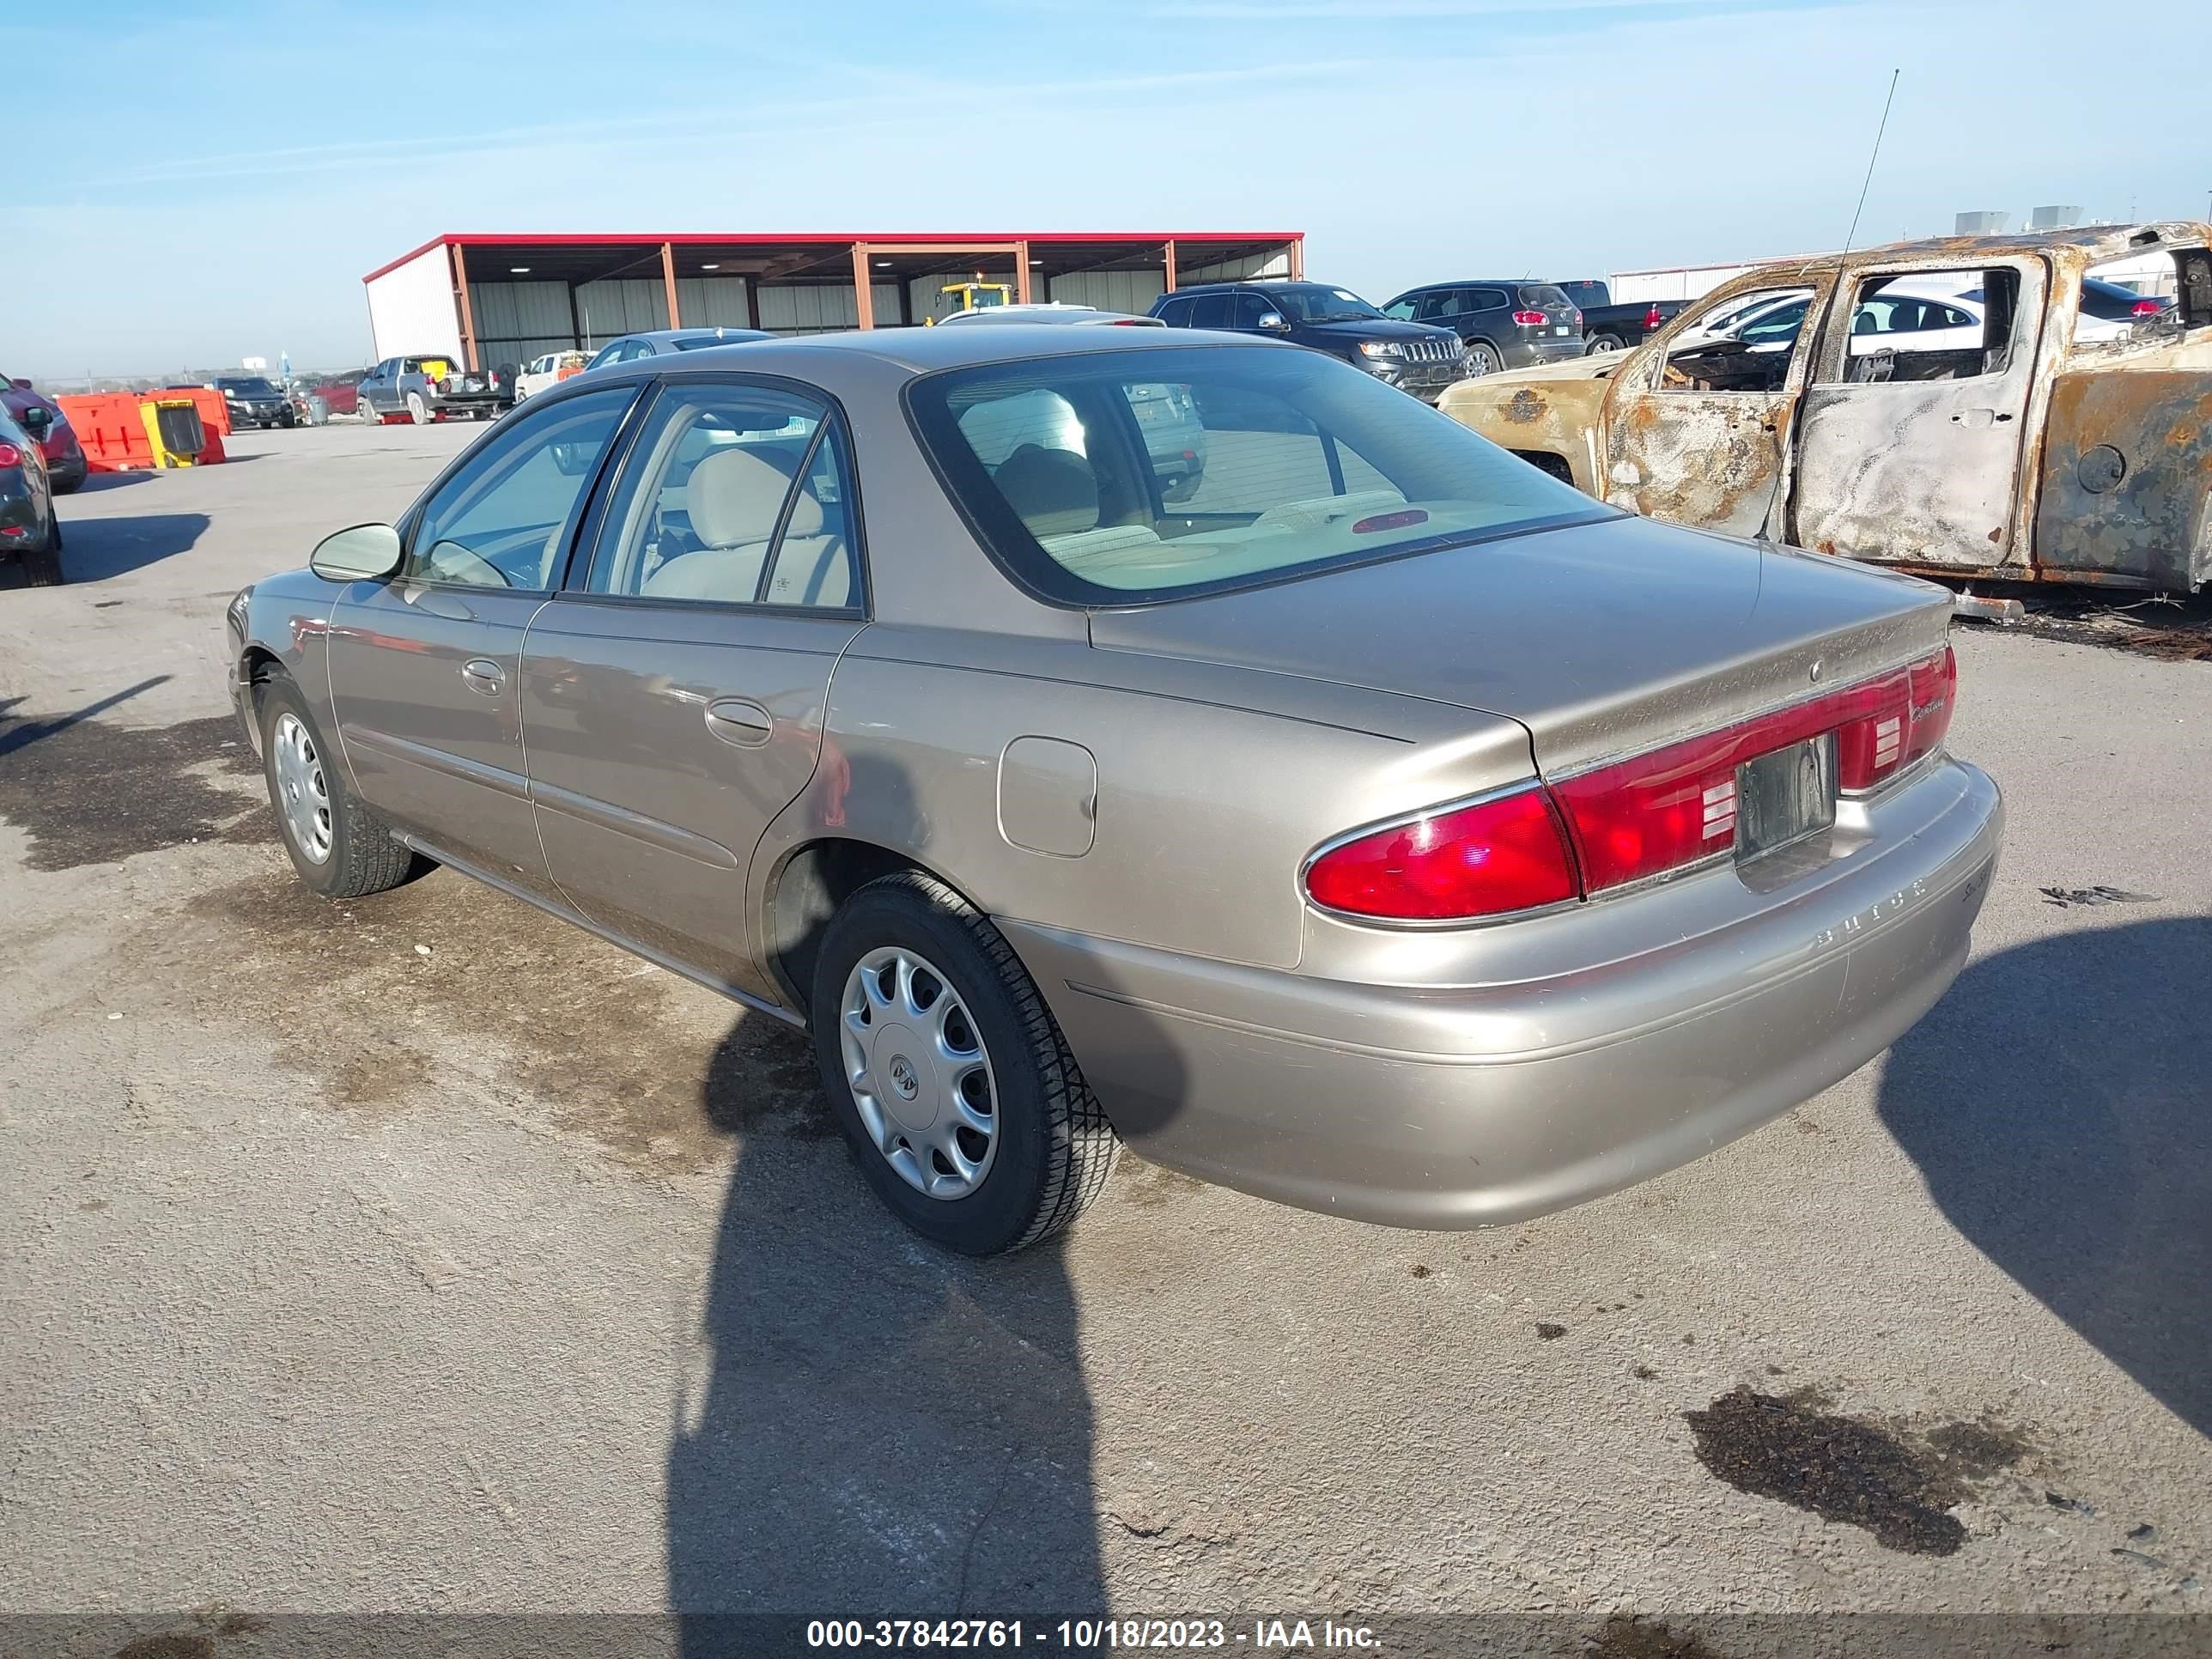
(1946, 407)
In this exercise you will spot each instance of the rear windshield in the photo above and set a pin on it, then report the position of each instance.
(1545, 296)
(1127, 477)
(1589, 296)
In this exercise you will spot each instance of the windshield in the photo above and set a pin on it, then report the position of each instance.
(1127, 477)
(1310, 303)
(251, 385)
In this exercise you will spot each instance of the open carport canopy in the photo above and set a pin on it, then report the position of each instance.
(503, 298)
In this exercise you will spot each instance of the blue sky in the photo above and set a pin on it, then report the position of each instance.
(214, 186)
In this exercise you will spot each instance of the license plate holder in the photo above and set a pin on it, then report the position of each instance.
(1784, 797)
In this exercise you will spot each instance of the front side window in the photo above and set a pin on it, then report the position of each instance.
(1743, 343)
(733, 495)
(502, 520)
(1129, 477)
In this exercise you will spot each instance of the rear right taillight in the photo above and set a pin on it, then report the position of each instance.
(1530, 318)
(1652, 317)
(1902, 716)
(10, 455)
(1491, 859)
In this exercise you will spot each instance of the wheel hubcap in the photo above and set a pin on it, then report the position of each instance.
(300, 792)
(919, 1075)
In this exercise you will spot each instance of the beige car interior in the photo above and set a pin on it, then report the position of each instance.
(732, 500)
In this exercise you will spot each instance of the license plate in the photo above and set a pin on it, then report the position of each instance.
(1559, 331)
(1785, 796)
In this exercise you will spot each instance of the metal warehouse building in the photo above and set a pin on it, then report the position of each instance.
(491, 299)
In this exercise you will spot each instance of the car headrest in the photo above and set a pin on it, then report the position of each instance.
(1054, 491)
(733, 495)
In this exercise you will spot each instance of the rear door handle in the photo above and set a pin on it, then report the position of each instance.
(483, 677)
(740, 721)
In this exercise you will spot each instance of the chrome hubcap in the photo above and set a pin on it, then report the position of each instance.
(300, 792)
(919, 1072)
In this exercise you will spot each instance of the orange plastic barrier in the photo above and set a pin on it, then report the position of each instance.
(111, 430)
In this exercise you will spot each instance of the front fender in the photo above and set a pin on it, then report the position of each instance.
(286, 621)
(1545, 410)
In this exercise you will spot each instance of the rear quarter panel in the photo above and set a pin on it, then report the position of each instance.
(1207, 802)
(2149, 420)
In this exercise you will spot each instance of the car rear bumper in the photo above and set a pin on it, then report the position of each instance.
(1523, 353)
(1463, 1106)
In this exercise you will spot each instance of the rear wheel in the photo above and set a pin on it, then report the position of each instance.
(339, 847)
(418, 411)
(43, 567)
(1482, 358)
(947, 1073)
(1599, 343)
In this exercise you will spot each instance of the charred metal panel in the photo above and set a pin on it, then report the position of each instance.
(1537, 417)
(1709, 458)
(2127, 472)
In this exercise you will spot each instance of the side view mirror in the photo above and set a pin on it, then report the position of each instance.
(36, 420)
(1273, 323)
(366, 553)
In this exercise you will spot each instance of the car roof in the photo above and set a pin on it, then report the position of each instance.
(925, 350)
(669, 336)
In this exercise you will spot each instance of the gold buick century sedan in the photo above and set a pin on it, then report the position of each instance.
(1358, 817)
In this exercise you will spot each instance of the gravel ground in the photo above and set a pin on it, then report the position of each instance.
(423, 1255)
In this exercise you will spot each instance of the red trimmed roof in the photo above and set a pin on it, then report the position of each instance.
(891, 238)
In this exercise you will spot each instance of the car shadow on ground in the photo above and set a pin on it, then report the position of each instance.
(95, 481)
(2058, 1103)
(96, 550)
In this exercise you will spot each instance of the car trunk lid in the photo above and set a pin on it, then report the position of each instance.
(1601, 638)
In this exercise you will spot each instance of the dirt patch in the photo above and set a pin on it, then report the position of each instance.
(379, 999)
(90, 792)
(1896, 1483)
(1627, 1638)
(1149, 1186)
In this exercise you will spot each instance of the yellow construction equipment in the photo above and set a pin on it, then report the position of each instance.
(977, 295)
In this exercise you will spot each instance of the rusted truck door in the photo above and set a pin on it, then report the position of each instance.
(1909, 444)
(1699, 432)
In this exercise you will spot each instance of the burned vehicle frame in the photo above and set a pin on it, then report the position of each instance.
(2025, 452)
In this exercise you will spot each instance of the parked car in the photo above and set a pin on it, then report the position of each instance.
(1412, 356)
(43, 421)
(1506, 324)
(1610, 326)
(1946, 407)
(660, 341)
(316, 398)
(543, 373)
(1402, 834)
(254, 400)
(1052, 311)
(29, 533)
(430, 387)
(2107, 308)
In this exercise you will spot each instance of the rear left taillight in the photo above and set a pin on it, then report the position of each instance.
(10, 455)
(1530, 318)
(1652, 317)
(1491, 859)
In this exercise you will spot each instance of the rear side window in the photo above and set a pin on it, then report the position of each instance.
(1131, 476)
(1210, 310)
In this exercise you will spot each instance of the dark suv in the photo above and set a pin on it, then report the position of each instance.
(253, 400)
(1414, 358)
(1506, 324)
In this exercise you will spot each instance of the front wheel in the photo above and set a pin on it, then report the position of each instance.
(1482, 359)
(43, 567)
(948, 1074)
(339, 848)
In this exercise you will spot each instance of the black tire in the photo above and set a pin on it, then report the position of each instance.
(1602, 343)
(1055, 1148)
(43, 567)
(1483, 358)
(363, 857)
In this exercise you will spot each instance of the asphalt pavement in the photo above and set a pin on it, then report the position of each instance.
(423, 1255)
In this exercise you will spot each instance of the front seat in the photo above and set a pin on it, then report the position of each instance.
(731, 499)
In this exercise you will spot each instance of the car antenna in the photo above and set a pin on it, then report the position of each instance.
(1852, 233)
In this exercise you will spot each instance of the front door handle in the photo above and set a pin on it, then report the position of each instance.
(737, 721)
(483, 677)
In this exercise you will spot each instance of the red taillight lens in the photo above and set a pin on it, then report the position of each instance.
(1488, 860)
(2146, 308)
(1530, 318)
(1652, 317)
(10, 455)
